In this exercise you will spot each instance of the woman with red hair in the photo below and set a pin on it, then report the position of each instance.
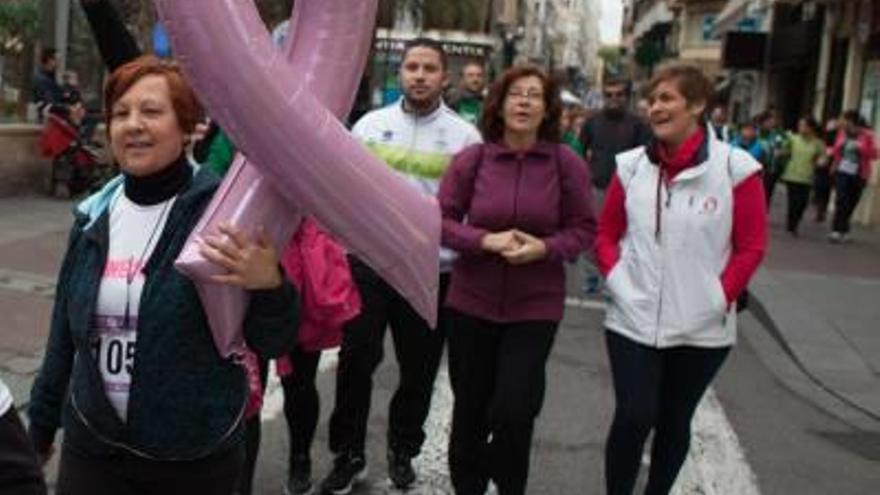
(131, 371)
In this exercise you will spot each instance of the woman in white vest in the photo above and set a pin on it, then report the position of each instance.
(683, 229)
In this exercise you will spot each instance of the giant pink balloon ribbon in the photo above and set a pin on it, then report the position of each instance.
(269, 110)
(328, 45)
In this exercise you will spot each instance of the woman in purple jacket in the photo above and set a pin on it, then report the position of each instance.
(515, 209)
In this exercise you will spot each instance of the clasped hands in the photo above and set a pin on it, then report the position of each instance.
(515, 246)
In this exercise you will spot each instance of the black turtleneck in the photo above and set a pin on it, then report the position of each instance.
(161, 186)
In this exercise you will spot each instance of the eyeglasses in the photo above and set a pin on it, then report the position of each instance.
(529, 96)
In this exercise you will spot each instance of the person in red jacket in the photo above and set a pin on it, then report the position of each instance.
(853, 155)
(514, 209)
(683, 229)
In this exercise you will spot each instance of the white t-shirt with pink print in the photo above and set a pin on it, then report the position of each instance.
(134, 232)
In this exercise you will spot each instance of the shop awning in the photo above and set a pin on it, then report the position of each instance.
(659, 13)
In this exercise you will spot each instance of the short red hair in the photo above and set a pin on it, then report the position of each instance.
(183, 98)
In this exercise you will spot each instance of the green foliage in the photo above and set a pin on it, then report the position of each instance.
(611, 54)
(649, 53)
(19, 23)
(8, 109)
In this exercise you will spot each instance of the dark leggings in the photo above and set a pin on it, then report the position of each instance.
(498, 378)
(301, 408)
(771, 177)
(130, 475)
(798, 198)
(848, 189)
(821, 192)
(20, 472)
(654, 389)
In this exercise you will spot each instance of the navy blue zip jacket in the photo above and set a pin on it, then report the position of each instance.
(186, 401)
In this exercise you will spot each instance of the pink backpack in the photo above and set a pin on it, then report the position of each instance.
(317, 266)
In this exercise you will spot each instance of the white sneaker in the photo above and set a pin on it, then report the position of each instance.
(835, 237)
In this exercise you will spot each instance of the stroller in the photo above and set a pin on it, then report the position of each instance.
(76, 162)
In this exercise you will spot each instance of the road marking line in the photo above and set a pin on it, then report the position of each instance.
(716, 464)
(579, 302)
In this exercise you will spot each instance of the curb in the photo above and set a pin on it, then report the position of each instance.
(843, 385)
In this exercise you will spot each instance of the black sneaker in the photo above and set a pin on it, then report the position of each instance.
(300, 481)
(400, 470)
(348, 469)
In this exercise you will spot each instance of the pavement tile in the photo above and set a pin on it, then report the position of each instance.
(22, 365)
(25, 324)
(41, 254)
(19, 386)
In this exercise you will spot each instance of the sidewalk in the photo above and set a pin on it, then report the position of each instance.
(33, 233)
(820, 305)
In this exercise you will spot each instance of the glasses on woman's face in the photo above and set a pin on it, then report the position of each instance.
(530, 95)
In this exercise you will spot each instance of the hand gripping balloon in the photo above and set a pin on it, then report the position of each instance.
(246, 197)
(278, 117)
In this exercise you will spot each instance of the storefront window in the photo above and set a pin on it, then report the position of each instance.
(387, 56)
(869, 106)
(699, 30)
(386, 85)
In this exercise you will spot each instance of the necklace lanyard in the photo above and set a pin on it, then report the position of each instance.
(133, 268)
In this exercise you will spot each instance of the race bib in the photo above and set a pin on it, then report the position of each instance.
(848, 167)
(113, 351)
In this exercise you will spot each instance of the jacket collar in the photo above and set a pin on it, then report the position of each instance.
(89, 211)
(701, 160)
(427, 118)
(499, 150)
(467, 94)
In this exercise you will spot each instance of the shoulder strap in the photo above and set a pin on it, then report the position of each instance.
(560, 173)
(474, 172)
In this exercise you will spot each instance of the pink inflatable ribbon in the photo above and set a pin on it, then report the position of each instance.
(246, 198)
(278, 117)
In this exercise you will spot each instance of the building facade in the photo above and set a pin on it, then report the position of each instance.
(822, 57)
(561, 35)
(798, 57)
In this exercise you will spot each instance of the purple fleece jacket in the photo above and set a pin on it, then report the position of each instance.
(544, 192)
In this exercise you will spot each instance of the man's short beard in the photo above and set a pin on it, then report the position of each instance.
(614, 111)
(421, 105)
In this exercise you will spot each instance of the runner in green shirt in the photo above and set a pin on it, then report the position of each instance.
(468, 103)
(805, 149)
